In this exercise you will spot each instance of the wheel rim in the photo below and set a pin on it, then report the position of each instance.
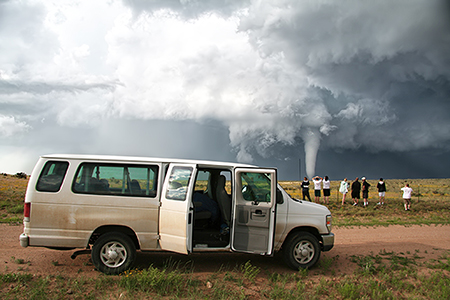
(113, 254)
(304, 252)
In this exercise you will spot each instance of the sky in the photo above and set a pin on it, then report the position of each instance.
(337, 88)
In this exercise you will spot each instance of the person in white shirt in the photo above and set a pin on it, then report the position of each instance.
(343, 188)
(407, 192)
(326, 189)
(317, 187)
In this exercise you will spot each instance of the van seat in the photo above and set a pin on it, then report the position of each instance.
(224, 200)
(201, 218)
(96, 185)
(135, 187)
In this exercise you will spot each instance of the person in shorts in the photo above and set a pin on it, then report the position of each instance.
(356, 190)
(381, 186)
(326, 189)
(317, 187)
(407, 192)
(365, 191)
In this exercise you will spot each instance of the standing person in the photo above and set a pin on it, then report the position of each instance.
(365, 191)
(343, 188)
(317, 187)
(356, 190)
(407, 191)
(326, 189)
(381, 186)
(305, 189)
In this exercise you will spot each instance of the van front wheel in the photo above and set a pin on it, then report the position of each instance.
(113, 253)
(302, 251)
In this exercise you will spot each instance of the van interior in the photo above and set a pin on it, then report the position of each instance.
(212, 208)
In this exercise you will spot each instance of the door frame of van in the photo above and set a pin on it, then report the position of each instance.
(253, 222)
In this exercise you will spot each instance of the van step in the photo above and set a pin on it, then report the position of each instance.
(76, 253)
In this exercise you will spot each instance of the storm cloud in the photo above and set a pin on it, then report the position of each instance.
(265, 81)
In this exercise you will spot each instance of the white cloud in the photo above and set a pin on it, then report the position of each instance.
(17, 159)
(10, 127)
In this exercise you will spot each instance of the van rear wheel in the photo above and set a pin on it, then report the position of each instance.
(113, 253)
(302, 251)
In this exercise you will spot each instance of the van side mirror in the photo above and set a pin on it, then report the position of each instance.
(280, 199)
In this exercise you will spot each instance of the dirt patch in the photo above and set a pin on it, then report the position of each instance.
(428, 242)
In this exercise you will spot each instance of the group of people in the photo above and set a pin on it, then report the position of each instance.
(355, 190)
(356, 187)
(318, 181)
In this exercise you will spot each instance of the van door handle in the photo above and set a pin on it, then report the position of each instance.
(259, 214)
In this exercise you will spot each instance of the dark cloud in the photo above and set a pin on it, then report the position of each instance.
(389, 77)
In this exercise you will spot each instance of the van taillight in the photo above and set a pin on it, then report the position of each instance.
(26, 210)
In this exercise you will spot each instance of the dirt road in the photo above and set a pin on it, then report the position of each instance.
(430, 242)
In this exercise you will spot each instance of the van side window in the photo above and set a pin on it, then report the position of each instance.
(178, 183)
(256, 187)
(52, 176)
(116, 179)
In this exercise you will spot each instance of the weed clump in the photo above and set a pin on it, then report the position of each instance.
(21, 175)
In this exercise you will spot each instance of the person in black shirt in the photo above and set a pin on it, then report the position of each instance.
(356, 190)
(381, 186)
(305, 189)
(365, 191)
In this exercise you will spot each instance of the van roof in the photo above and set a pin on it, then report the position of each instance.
(138, 159)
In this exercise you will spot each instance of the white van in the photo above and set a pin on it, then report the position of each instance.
(120, 204)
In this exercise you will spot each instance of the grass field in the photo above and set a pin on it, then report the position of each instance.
(12, 195)
(383, 275)
(430, 203)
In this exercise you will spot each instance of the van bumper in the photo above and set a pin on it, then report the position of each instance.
(24, 240)
(327, 241)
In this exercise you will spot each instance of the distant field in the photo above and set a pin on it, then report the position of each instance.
(430, 203)
(12, 195)
(429, 189)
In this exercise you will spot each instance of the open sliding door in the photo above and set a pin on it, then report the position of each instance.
(254, 210)
(176, 211)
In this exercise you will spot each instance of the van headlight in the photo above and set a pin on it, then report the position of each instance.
(328, 220)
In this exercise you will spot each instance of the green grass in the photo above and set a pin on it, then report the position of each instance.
(249, 272)
(386, 275)
(155, 281)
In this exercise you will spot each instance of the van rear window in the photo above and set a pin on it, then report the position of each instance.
(52, 176)
(116, 179)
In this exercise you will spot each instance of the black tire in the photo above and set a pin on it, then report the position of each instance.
(301, 251)
(113, 253)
